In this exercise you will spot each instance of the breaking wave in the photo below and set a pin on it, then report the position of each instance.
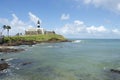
(76, 41)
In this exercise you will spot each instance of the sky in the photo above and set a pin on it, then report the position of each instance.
(71, 18)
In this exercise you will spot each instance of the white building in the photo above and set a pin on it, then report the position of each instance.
(34, 31)
(38, 30)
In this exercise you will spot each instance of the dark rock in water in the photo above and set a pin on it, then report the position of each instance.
(3, 66)
(6, 50)
(115, 70)
(26, 63)
(21, 42)
(2, 59)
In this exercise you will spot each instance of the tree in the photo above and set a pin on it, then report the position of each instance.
(7, 27)
(4, 27)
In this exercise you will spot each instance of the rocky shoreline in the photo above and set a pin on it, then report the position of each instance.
(4, 64)
(23, 42)
(9, 48)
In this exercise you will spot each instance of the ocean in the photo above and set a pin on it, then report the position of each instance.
(82, 59)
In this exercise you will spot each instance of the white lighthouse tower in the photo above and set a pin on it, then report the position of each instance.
(38, 24)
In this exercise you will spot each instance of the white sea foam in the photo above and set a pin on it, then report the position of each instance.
(77, 41)
(9, 59)
(52, 46)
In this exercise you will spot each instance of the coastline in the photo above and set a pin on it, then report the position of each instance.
(9, 49)
(9, 43)
(31, 42)
(42, 58)
(33, 39)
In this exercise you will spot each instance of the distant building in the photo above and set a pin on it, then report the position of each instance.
(38, 30)
(34, 31)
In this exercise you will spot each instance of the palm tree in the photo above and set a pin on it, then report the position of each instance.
(7, 27)
(4, 27)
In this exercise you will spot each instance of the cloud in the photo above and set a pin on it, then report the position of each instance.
(73, 28)
(65, 16)
(16, 22)
(17, 25)
(87, 1)
(79, 29)
(3, 20)
(77, 22)
(112, 5)
(116, 31)
(34, 18)
(94, 29)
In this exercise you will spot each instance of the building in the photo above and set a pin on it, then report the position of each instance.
(34, 31)
(38, 30)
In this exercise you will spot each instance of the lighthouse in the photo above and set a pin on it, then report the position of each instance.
(38, 24)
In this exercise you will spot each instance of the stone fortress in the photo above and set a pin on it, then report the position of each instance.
(38, 30)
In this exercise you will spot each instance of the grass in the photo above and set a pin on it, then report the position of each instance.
(33, 38)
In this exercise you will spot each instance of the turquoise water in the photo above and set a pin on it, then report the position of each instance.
(89, 59)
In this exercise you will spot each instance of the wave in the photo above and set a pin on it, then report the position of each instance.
(76, 41)
(52, 46)
(10, 59)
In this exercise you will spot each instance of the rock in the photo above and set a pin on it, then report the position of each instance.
(21, 42)
(3, 66)
(2, 59)
(26, 63)
(7, 50)
(115, 70)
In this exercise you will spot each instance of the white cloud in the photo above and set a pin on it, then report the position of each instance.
(87, 1)
(77, 22)
(118, 7)
(94, 29)
(16, 22)
(73, 28)
(4, 21)
(34, 18)
(116, 31)
(112, 5)
(17, 25)
(65, 16)
(80, 29)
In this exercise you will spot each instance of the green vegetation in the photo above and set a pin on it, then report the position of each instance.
(37, 38)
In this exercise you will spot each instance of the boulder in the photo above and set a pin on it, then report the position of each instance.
(115, 70)
(10, 50)
(3, 66)
(26, 63)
